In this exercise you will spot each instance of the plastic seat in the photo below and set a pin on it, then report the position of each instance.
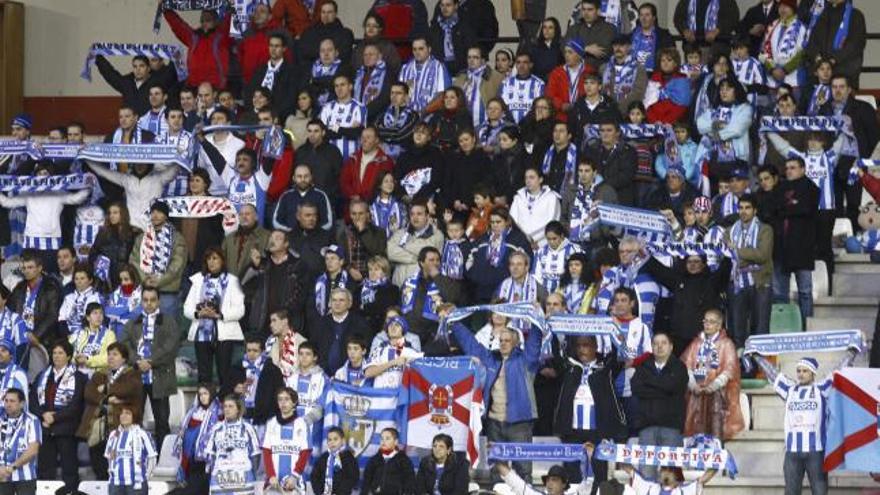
(785, 318)
(842, 227)
(94, 487)
(167, 465)
(820, 279)
(177, 409)
(868, 99)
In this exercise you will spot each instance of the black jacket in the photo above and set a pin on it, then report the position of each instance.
(799, 208)
(325, 161)
(453, 481)
(322, 335)
(610, 416)
(864, 123)
(45, 307)
(209, 233)
(692, 296)
(463, 37)
(480, 16)
(386, 296)
(463, 173)
(67, 419)
(323, 85)
(605, 110)
(108, 243)
(308, 244)
(556, 174)
(345, 478)
(265, 405)
(508, 169)
(851, 55)
(418, 324)
(418, 157)
(661, 393)
(446, 125)
(618, 167)
(661, 199)
(137, 97)
(310, 42)
(257, 281)
(545, 58)
(754, 16)
(485, 278)
(394, 476)
(285, 88)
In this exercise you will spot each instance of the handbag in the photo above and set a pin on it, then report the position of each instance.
(97, 431)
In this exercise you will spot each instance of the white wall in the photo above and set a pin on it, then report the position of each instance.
(59, 32)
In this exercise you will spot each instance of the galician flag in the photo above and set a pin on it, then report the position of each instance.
(444, 395)
(853, 424)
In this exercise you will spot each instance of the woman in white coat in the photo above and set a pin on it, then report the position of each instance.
(215, 304)
(534, 206)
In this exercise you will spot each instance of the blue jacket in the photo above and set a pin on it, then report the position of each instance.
(522, 365)
(736, 131)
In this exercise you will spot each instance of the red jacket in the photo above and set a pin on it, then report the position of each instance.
(872, 185)
(208, 57)
(666, 111)
(253, 50)
(350, 182)
(282, 170)
(558, 85)
(294, 16)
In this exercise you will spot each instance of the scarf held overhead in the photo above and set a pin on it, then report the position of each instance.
(173, 53)
(701, 458)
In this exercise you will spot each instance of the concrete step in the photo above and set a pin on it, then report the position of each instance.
(866, 325)
(838, 484)
(858, 267)
(839, 306)
(861, 281)
(844, 258)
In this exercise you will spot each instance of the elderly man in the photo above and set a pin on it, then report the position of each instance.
(237, 245)
(331, 332)
(406, 244)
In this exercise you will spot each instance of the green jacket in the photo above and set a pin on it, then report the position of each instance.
(170, 280)
(166, 343)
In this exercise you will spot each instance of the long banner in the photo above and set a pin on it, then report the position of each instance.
(635, 221)
(685, 249)
(547, 452)
(783, 343)
(137, 153)
(802, 123)
(701, 458)
(174, 53)
(579, 325)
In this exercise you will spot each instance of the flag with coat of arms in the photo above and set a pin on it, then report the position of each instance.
(362, 413)
(443, 395)
(852, 440)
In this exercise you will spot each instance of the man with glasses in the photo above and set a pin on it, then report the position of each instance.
(426, 76)
(479, 82)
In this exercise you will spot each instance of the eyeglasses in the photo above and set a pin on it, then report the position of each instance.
(709, 321)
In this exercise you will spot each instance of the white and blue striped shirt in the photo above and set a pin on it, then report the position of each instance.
(647, 291)
(12, 376)
(349, 115)
(519, 94)
(584, 414)
(804, 413)
(550, 264)
(16, 434)
(310, 388)
(128, 452)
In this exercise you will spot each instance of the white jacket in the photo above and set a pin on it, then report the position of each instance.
(231, 307)
(545, 208)
(139, 193)
(44, 210)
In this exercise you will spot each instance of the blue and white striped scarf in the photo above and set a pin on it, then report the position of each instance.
(213, 289)
(184, 5)
(452, 259)
(700, 459)
(823, 90)
(472, 93)
(815, 13)
(389, 215)
(643, 46)
(622, 76)
(447, 24)
(174, 53)
(843, 28)
(65, 386)
(570, 160)
(421, 79)
(408, 297)
(711, 21)
(365, 92)
(324, 286)
(573, 294)
(18, 185)
(368, 290)
(145, 344)
(743, 237)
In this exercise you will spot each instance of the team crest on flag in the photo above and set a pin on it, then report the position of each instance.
(443, 395)
(362, 413)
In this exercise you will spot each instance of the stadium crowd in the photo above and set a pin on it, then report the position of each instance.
(418, 178)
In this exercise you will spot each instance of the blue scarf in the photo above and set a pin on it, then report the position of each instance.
(843, 28)
(570, 160)
(252, 370)
(422, 78)
(408, 297)
(622, 76)
(365, 92)
(145, 346)
(815, 13)
(707, 356)
(65, 386)
(324, 286)
(332, 462)
(497, 247)
(711, 22)
(743, 237)
(368, 290)
(447, 24)
(472, 93)
(573, 294)
(643, 46)
(213, 289)
(452, 259)
(388, 215)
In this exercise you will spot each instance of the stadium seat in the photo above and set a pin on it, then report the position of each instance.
(869, 99)
(842, 227)
(94, 487)
(785, 318)
(45, 487)
(177, 406)
(167, 465)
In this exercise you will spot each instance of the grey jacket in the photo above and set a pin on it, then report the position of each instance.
(164, 351)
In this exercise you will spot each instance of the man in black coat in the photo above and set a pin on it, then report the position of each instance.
(849, 55)
(257, 379)
(755, 23)
(660, 385)
(595, 402)
(693, 30)
(480, 16)
(307, 239)
(451, 35)
(673, 194)
(593, 108)
(616, 161)
(328, 26)
(135, 86)
(278, 75)
(331, 332)
(276, 280)
(37, 298)
(324, 160)
(864, 125)
(799, 209)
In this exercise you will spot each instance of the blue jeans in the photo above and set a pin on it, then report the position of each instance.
(658, 435)
(502, 431)
(804, 281)
(794, 467)
(749, 309)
